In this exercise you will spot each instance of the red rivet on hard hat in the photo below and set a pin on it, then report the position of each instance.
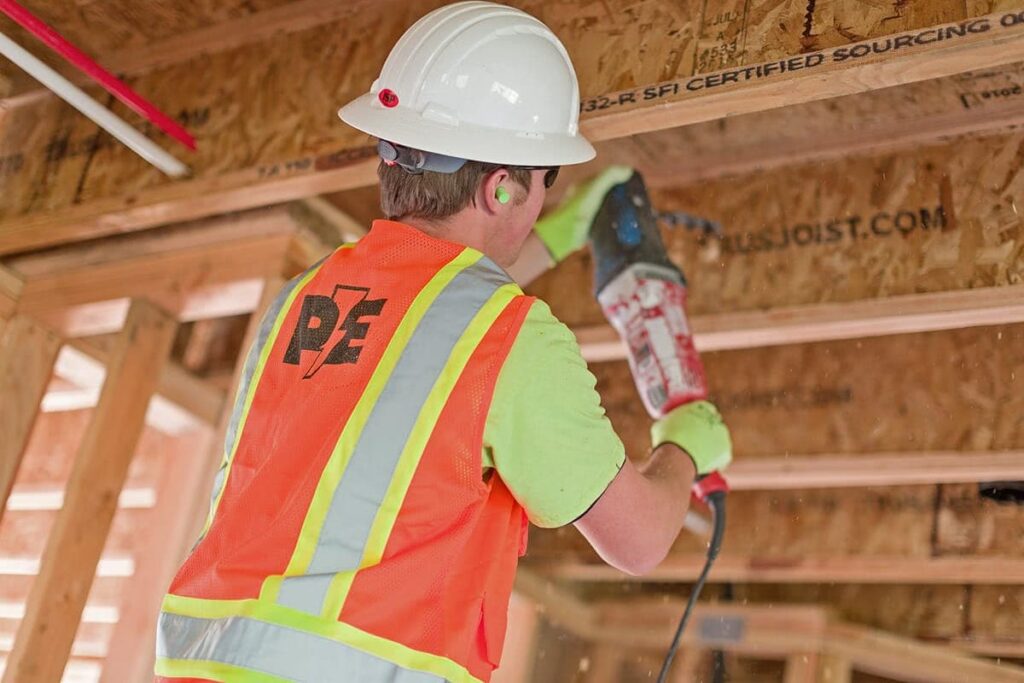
(388, 98)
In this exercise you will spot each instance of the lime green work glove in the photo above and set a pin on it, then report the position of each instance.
(698, 429)
(566, 227)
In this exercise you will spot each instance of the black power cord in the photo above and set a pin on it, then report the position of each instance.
(715, 501)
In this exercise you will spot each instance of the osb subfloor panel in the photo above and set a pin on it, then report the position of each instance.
(957, 390)
(945, 217)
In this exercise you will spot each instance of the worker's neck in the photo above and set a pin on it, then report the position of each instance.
(466, 228)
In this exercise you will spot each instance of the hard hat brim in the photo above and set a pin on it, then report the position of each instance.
(477, 143)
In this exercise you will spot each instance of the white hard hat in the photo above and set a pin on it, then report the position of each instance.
(480, 81)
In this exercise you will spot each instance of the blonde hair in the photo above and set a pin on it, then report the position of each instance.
(435, 196)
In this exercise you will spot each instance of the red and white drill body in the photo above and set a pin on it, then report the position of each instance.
(647, 306)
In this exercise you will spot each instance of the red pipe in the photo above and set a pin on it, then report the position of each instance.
(85, 64)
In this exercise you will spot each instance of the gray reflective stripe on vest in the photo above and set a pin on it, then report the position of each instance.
(365, 482)
(276, 650)
(251, 361)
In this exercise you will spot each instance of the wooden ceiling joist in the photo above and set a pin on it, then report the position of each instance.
(970, 104)
(179, 266)
(905, 314)
(731, 567)
(237, 170)
(11, 284)
(879, 469)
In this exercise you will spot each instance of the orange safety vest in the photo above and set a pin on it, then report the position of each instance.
(352, 535)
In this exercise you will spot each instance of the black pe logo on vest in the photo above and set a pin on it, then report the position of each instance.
(329, 324)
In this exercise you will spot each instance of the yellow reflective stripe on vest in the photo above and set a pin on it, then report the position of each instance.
(337, 464)
(304, 636)
(270, 327)
(416, 443)
(195, 668)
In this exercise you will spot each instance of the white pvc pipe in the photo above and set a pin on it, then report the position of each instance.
(100, 115)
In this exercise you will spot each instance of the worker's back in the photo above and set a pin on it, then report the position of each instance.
(353, 536)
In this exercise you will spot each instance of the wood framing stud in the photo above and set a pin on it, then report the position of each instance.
(869, 569)
(902, 659)
(27, 354)
(801, 667)
(198, 397)
(874, 469)
(823, 322)
(73, 550)
(158, 556)
(11, 284)
(833, 668)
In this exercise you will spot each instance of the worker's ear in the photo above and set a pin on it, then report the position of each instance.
(497, 190)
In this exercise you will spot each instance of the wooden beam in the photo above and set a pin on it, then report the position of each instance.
(817, 648)
(167, 266)
(828, 73)
(159, 555)
(27, 354)
(11, 284)
(765, 631)
(963, 106)
(991, 647)
(200, 398)
(801, 667)
(833, 668)
(982, 569)
(556, 604)
(874, 469)
(902, 659)
(183, 401)
(824, 322)
(687, 666)
(76, 542)
(605, 664)
(204, 302)
(237, 169)
(343, 226)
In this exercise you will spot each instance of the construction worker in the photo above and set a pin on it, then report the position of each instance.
(406, 410)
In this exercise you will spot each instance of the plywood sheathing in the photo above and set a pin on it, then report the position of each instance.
(835, 23)
(264, 113)
(942, 218)
(851, 397)
(970, 104)
(959, 390)
(996, 612)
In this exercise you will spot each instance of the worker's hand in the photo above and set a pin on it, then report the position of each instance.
(566, 227)
(698, 429)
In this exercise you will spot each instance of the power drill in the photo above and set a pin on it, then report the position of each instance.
(643, 296)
